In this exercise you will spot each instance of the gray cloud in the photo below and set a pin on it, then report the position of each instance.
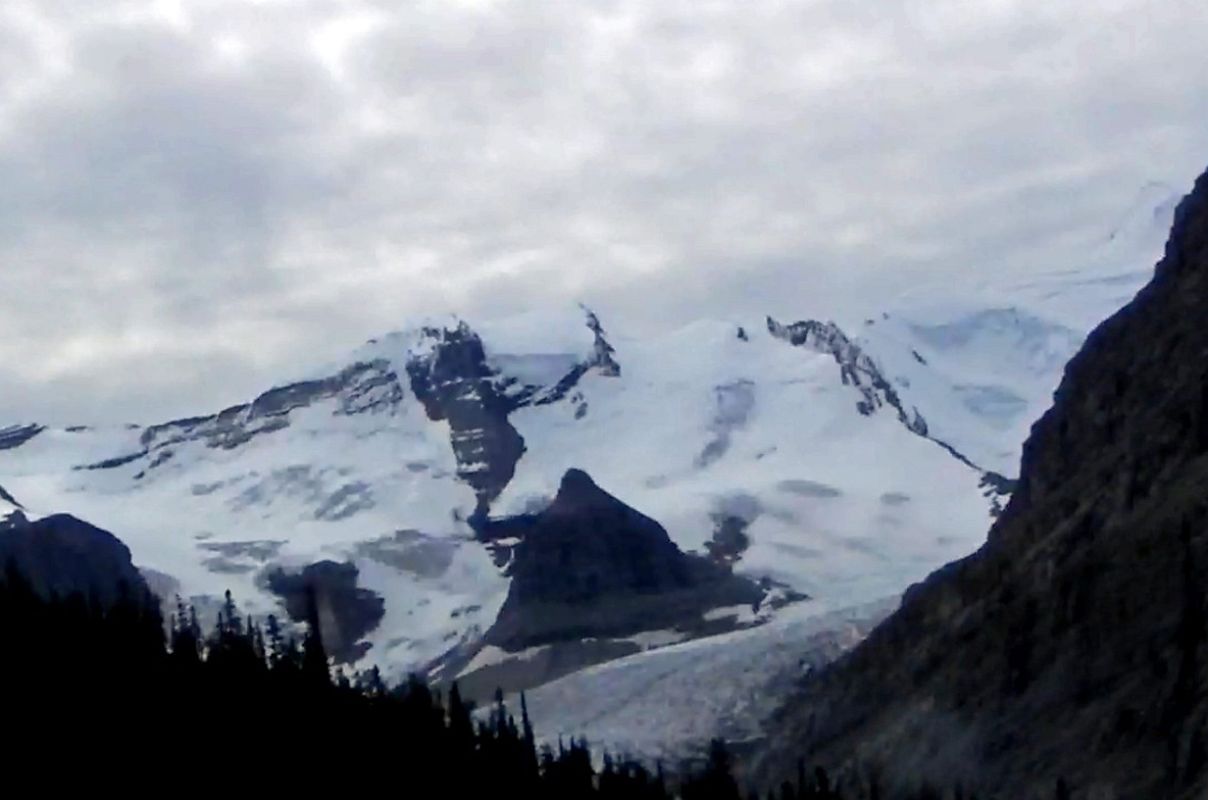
(198, 198)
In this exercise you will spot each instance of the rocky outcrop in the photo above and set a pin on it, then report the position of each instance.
(856, 367)
(602, 360)
(861, 372)
(360, 387)
(1074, 644)
(595, 580)
(603, 356)
(446, 368)
(61, 555)
(14, 436)
(590, 566)
(346, 612)
(455, 383)
(363, 387)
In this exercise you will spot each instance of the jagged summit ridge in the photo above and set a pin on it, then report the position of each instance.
(578, 492)
(857, 368)
(603, 353)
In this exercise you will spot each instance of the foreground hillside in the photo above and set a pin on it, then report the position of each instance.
(1073, 646)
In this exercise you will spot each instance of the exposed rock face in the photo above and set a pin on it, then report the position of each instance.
(594, 580)
(1074, 644)
(603, 354)
(602, 360)
(16, 435)
(455, 383)
(8, 498)
(360, 388)
(857, 367)
(861, 372)
(62, 555)
(347, 612)
(591, 566)
(730, 539)
(451, 378)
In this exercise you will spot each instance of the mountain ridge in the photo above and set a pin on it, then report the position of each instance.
(392, 462)
(1071, 645)
(390, 467)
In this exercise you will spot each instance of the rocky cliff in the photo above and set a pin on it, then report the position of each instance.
(455, 383)
(591, 566)
(1073, 646)
(855, 366)
(593, 579)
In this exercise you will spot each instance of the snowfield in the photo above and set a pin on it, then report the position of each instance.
(703, 425)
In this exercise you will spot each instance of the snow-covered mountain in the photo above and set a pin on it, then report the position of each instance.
(781, 450)
(979, 362)
(835, 462)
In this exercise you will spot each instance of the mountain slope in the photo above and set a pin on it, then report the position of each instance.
(395, 467)
(838, 462)
(1073, 644)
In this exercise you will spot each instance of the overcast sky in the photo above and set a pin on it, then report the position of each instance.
(199, 197)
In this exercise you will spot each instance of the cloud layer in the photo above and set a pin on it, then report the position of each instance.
(198, 198)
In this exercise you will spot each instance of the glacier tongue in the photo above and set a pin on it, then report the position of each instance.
(666, 704)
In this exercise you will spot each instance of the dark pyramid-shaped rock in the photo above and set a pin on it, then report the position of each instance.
(588, 544)
(590, 566)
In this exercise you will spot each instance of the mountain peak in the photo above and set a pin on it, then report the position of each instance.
(856, 367)
(592, 566)
(603, 353)
(577, 489)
